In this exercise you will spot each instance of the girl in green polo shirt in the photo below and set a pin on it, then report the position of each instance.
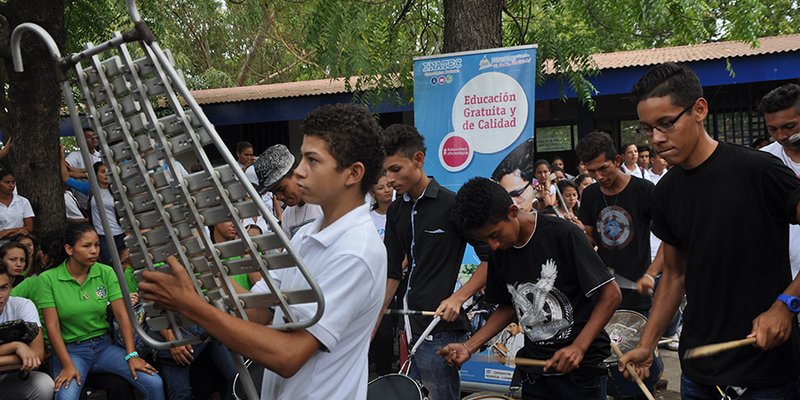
(74, 297)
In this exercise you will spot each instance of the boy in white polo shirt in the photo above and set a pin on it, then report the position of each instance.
(341, 158)
(38, 385)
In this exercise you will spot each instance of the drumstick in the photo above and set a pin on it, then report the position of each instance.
(410, 312)
(632, 372)
(711, 349)
(525, 362)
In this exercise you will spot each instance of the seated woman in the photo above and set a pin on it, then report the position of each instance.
(74, 297)
(17, 214)
(14, 256)
(32, 249)
(115, 387)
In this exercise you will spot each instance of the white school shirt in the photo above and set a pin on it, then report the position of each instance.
(794, 230)
(296, 216)
(111, 213)
(13, 215)
(75, 159)
(71, 203)
(637, 172)
(348, 261)
(380, 222)
(20, 308)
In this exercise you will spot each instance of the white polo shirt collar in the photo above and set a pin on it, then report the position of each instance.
(334, 231)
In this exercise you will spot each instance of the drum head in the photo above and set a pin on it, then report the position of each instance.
(394, 387)
(625, 329)
(487, 396)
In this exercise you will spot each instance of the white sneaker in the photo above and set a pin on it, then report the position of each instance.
(671, 342)
(673, 345)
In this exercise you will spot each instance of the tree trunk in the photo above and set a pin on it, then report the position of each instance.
(472, 25)
(34, 99)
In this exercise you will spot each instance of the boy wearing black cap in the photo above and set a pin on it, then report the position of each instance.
(274, 169)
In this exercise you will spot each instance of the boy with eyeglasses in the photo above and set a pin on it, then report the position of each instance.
(730, 257)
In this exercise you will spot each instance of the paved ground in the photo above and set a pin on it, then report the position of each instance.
(672, 373)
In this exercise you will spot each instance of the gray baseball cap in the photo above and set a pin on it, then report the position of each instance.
(272, 165)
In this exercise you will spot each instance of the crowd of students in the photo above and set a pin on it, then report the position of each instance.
(559, 255)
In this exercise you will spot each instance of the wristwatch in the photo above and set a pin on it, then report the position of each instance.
(792, 302)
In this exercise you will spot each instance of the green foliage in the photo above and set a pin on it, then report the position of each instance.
(246, 42)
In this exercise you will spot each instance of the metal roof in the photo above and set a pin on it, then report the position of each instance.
(605, 61)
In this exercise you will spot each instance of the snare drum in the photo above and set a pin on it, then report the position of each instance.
(396, 387)
(487, 396)
(625, 328)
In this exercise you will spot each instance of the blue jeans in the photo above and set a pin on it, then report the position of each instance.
(99, 354)
(568, 386)
(442, 381)
(691, 390)
(178, 378)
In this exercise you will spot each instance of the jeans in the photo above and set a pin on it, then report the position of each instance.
(691, 390)
(442, 381)
(99, 354)
(569, 386)
(178, 378)
(38, 386)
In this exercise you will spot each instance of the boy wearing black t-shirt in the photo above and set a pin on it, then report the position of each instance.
(723, 214)
(616, 215)
(544, 275)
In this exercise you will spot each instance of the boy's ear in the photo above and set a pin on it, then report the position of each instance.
(355, 173)
(513, 210)
(419, 159)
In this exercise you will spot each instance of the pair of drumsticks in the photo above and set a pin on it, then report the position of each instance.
(697, 352)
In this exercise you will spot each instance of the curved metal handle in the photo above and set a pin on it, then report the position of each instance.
(16, 38)
(133, 11)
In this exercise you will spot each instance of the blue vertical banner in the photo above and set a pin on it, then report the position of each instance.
(473, 109)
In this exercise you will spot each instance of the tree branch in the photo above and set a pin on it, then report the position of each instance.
(295, 53)
(403, 13)
(241, 77)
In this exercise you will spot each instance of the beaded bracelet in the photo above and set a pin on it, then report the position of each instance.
(131, 355)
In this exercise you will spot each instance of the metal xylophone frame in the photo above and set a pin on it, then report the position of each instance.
(166, 213)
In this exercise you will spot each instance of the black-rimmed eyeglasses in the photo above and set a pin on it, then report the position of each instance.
(663, 127)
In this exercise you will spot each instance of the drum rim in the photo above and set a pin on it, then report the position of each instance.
(392, 375)
(471, 396)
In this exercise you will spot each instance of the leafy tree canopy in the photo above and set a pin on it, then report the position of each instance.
(246, 42)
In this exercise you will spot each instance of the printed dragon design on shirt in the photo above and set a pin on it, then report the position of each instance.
(543, 311)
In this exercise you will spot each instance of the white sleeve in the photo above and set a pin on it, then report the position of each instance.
(73, 211)
(27, 210)
(25, 310)
(262, 287)
(74, 159)
(250, 173)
